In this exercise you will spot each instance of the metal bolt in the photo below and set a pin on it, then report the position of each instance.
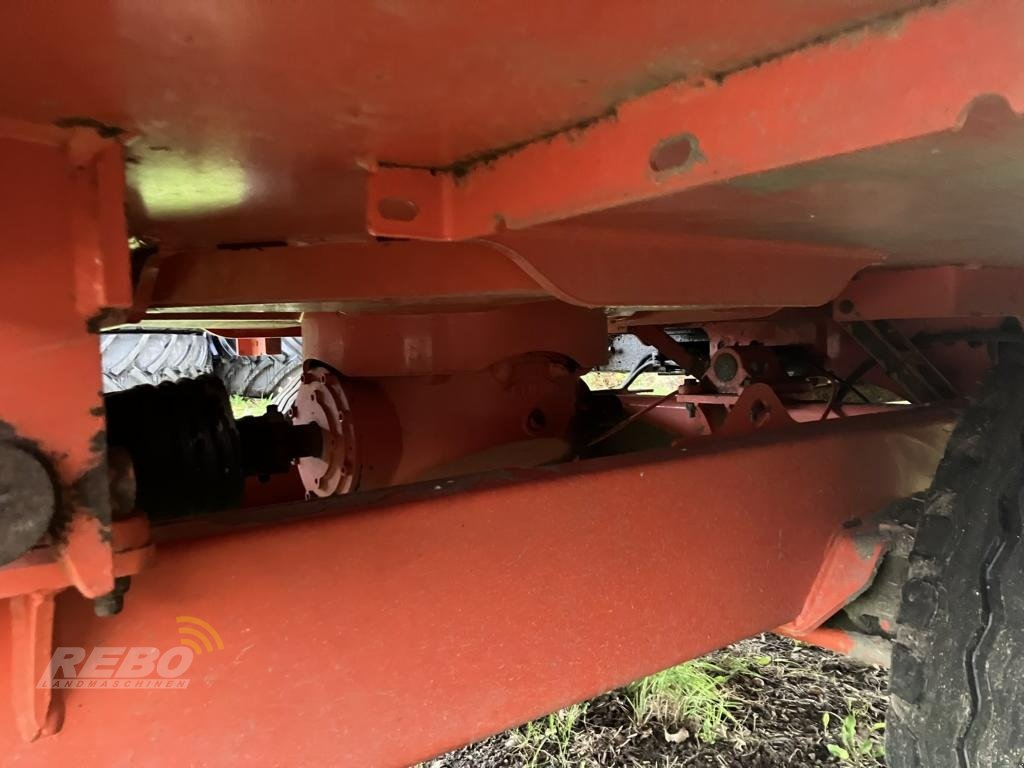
(726, 367)
(536, 420)
(112, 603)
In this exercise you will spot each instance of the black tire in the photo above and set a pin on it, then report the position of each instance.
(956, 693)
(131, 359)
(287, 390)
(261, 375)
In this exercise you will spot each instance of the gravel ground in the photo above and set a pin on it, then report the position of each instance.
(779, 692)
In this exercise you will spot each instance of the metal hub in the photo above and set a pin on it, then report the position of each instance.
(27, 501)
(322, 401)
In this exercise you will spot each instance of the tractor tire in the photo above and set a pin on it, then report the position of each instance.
(956, 698)
(131, 359)
(259, 376)
(287, 389)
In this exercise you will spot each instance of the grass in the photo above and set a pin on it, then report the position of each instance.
(548, 742)
(647, 383)
(859, 742)
(693, 694)
(759, 702)
(248, 406)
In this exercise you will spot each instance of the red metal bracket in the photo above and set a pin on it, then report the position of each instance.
(906, 77)
(847, 570)
(31, 583)
(866, 649)
(42, 570)
(36, 713)
(65, 262)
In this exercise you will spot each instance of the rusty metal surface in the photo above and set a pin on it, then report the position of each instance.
(443, 612)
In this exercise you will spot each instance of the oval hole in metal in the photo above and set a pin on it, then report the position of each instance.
(673, 154)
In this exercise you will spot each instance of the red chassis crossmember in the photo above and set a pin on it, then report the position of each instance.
(409, 622)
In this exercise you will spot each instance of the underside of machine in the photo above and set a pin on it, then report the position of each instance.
(806, 212)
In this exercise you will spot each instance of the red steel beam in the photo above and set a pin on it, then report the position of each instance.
(331, 276)
(256, 345)
(904, 77)
(612, 267)
(381, 632)
(933, 292)
(606, 267)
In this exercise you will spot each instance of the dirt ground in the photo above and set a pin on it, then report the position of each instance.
(789, 705)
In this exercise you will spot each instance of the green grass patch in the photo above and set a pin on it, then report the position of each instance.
(647, 383)
(857, 741)
(248, 406)
(694, 694)
(547, 743)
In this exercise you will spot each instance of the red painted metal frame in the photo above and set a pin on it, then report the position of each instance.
(31, 645)
(394, 627)
(865, 89)
(40, 570)
(350, 276)
(30, 585)
(933, 292)
(699, 416)
(255, 345)
(660, 270)
(848, 569)
(382, 630)
(65, 263)
(850, 565)
(255, 123)
(608, 267)
(438, 343)
(867, 649)
(442, 394)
